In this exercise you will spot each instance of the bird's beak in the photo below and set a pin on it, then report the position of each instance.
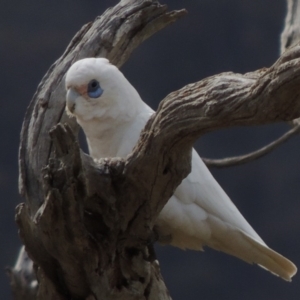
(72, 95)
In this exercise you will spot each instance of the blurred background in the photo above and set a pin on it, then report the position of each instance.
(215, 36)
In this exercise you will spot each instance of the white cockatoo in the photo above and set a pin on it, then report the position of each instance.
(112, 115)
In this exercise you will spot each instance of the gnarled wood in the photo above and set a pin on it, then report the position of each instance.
(88, 226)
(289, 37)
(291, 33)
(113, 35)
(78, 237)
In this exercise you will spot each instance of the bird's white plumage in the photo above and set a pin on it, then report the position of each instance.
(199, 213)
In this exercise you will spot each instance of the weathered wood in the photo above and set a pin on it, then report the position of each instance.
(80, 238)
(290, 36)
(113, 35)
(291, 33)
(88, 226)
(224, 100)
(108, 224)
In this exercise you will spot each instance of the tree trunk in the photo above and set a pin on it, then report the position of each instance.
(89, 226)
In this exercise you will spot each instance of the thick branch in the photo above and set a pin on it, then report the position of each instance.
(77, 237)
(224, 100)
(87, 225)
(113, 35)
(69, 198)
(289, 37)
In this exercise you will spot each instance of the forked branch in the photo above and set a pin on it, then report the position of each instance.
(88, 226)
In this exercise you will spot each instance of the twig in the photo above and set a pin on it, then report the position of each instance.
(239, 160)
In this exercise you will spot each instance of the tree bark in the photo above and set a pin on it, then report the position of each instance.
(289, 37)
(113, 35)
(291, 33)
(89, 226)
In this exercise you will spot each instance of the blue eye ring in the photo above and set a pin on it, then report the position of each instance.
(94, 90)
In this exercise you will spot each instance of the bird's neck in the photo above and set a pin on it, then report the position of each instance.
(102, 137)
(114, 136)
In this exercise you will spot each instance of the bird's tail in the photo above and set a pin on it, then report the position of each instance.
(238, 243)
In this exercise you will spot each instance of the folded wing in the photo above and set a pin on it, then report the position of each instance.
(201, 214)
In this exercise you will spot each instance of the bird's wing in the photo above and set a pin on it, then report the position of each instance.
(201, 214)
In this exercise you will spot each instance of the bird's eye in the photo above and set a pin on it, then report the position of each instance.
(94, 90)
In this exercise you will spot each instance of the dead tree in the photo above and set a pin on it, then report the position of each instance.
(87, 226)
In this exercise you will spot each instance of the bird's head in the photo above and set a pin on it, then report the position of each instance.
(96, 89)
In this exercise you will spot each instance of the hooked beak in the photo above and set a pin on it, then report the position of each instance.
(72, 95)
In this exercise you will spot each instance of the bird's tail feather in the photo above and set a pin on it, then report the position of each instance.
(238, 243)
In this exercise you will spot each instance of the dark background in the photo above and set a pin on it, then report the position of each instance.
(216, 36)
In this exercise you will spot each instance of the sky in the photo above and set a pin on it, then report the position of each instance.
(215, 36)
